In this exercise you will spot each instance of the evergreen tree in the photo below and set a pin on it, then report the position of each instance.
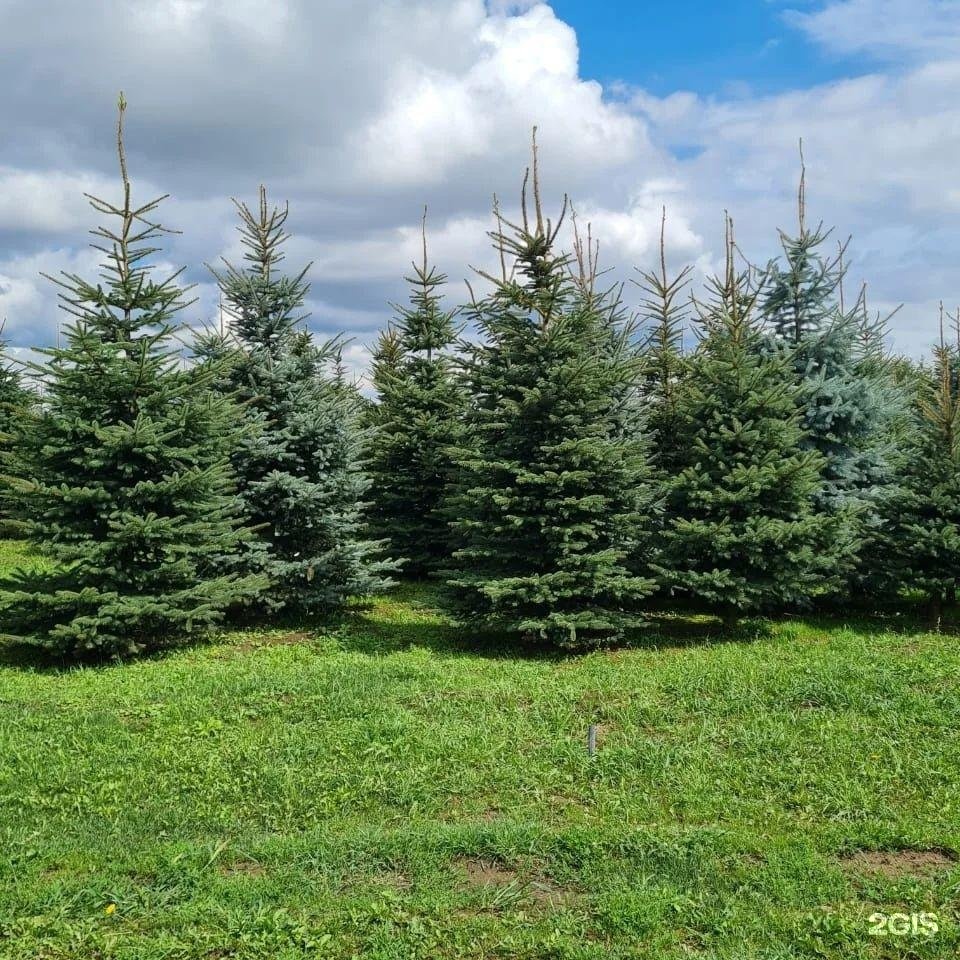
(665, 315)
(847, 397)
(299, 466)
(554, 482)
(918, 546)
(742, 534)
(419, 419)
(126, 482)
(16, 403)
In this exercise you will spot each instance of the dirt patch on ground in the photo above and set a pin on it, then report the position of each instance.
(481, 872)
(242, 868)
(899, 863)
(547, 893)
(271, 640)
(531, 885)
(395, 879)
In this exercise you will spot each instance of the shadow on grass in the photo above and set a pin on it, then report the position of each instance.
(413, 616)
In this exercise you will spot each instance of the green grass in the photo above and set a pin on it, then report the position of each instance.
(393, 788)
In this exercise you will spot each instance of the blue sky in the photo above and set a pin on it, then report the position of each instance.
(712, 47)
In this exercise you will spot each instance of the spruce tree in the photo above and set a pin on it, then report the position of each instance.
(299, 465)
(16, 403)
(125, 482)
(419, 419)
(664, 313)
(917, 548)
(742, 535)
(554, 482)
(847, 397)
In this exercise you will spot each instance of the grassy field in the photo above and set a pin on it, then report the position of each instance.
(394, 788)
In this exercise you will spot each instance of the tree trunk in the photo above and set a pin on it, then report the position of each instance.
(935, 611)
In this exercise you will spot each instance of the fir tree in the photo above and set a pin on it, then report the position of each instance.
(16, 405)
(419, 419)
(299, 467)
(126, 482)
(742, 534)
(847, 398)
(554, 481)
(665, 315)
(918, 546)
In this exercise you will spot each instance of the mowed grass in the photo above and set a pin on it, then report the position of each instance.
(391, 787)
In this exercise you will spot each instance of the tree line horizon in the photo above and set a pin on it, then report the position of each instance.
(560, 474)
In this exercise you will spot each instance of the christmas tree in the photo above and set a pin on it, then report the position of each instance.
(554, 480)
(299, 465)
(664, 313)
(917, 548)
(419, 420)
(125, 482)
(847, 397)
(16, 403)
(742, 534)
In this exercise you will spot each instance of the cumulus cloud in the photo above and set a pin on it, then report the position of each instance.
(884, 28)
(879, 154)
(361, 111)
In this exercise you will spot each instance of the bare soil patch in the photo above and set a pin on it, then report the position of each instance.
(481, 872)
(532, 884)
(899, 863)
(242, 868)
(272, 640)
(395, 879)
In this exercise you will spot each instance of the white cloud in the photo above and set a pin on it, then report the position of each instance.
(28, 300)
(632, 234)
(361, 111)
(523, 71)
(884, 28)
(48, 201)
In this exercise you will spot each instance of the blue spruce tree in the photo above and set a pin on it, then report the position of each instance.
(847, 398)
(299, 465)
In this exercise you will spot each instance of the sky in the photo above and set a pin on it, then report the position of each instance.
(360, 112)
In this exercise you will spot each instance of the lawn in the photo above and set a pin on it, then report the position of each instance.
(392, 787)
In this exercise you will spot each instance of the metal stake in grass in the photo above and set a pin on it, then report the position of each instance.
(591, 739)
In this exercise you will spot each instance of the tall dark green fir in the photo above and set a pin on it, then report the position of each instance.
(917, 548)
(124, 480)
(554, 480)
(16, 405)
(418, 419)
(742, 535)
